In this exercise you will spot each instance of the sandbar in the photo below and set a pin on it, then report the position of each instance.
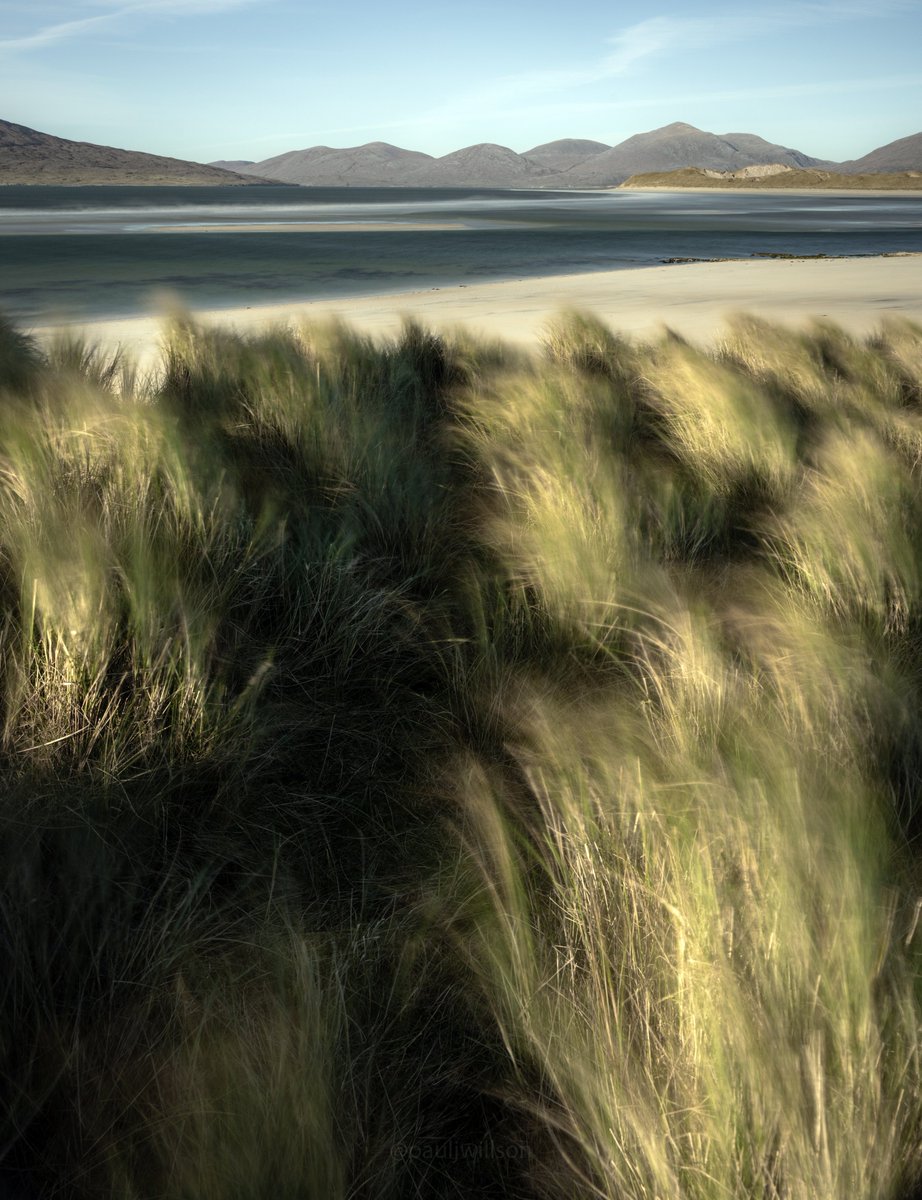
(309, 227)
(693, 299)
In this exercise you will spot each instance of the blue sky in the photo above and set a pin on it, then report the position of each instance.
(207, 79)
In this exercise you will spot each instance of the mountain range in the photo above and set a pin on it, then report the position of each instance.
(568, 163)
(27, 156)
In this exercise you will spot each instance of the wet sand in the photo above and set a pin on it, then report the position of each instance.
(310, 227)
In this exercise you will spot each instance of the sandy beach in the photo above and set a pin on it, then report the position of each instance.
(693, 299)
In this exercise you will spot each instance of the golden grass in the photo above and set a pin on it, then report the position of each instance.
(436, 770)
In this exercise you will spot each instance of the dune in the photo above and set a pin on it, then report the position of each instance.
(693, 299)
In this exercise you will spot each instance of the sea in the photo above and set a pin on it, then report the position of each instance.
(76, 253)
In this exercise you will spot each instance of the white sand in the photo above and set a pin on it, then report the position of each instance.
(693, 299)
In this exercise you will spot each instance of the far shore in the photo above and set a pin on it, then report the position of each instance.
(692, 299)
(888, 193)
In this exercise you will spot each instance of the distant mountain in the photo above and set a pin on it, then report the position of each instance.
(483, 165)
(676, 146)
(232, 164)
(762, 151)
(30, 157)
(376, 164)
(565, 153)
(905, 154)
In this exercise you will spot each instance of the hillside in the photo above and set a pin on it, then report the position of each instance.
(485, 164)
(905, 154)
(693, 177)
(28, 156)
(676, 146)
(376, 164)
(379, 164)
(565, 153)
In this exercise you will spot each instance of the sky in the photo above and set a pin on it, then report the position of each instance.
(226, 79)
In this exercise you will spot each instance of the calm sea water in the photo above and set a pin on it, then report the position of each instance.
(79, 252)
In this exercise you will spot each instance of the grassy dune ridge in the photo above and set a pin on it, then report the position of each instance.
(436, 770)
(804, 177)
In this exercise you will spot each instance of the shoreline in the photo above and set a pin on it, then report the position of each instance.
(879, 193)
(693, 299)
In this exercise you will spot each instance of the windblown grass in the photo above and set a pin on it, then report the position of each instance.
(434, 770)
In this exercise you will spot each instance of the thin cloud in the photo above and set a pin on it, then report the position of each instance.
(56, 33)
(639, 45)
(118, 10)
(186, 7)
(577, 108)
(661, 35)
(829, 87)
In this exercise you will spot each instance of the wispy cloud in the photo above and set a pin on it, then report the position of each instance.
(661, 35)
(116, 12)
(172, 6)
(50, 34)
(827, 87)
(657, 37)
(434, 119)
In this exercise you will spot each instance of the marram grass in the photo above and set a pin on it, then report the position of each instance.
(436, 770)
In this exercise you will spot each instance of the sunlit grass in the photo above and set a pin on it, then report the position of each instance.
(436, 770)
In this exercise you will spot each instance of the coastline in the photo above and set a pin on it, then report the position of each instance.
(693, 299)
(877, 193)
